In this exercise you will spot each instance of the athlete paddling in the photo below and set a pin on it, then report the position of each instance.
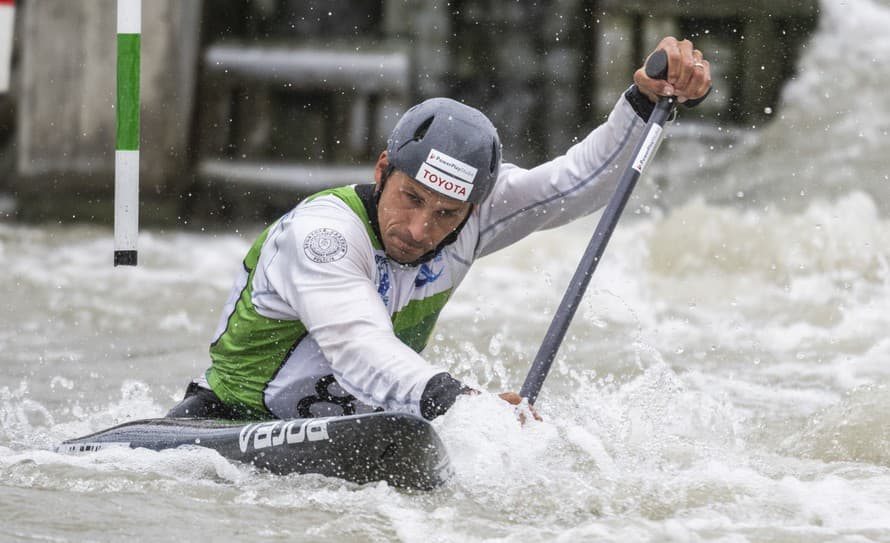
(337, 298)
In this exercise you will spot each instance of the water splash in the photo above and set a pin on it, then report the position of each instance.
(854, 430)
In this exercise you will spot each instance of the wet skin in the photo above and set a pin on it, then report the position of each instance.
(414, 219)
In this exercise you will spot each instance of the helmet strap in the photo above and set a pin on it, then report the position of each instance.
(378, 191)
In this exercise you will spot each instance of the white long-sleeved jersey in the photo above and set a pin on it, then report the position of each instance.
(321, 322)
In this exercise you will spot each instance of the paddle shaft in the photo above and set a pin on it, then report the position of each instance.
(644, 152)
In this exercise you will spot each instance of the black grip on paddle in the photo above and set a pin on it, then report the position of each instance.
(657, 68)
(657, 65)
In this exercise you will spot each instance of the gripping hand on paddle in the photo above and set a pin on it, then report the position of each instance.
(515, 399)
(689, 74)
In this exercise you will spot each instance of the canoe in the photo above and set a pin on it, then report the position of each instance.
(401, 449)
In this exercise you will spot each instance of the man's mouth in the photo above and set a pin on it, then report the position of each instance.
(409, 247)
(406, 247)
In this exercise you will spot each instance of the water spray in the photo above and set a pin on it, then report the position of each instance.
(656, 68)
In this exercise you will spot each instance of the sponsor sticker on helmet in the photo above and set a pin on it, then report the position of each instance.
(324, 245)
(447, 175)
(443, 183)
(451, 165)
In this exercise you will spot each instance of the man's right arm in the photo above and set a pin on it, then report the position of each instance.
(321, 264)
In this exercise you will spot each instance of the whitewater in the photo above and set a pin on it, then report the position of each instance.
(725, 379)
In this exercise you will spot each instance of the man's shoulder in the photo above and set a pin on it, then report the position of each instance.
(326, 207)
(322, 223)
(344, 199)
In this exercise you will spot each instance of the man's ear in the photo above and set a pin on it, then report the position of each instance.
(382, 165)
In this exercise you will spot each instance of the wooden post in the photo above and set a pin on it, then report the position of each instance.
(761, 69)
(7, 25)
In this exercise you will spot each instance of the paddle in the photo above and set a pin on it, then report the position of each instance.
(656, 68)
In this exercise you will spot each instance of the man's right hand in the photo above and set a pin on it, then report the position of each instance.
(515, 399)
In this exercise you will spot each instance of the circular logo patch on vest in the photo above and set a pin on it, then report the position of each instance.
(324, 245)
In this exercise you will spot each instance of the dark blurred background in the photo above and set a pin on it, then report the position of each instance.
(249, 105)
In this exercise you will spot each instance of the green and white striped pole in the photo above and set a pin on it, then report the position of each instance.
(7, 27)
(126, 156)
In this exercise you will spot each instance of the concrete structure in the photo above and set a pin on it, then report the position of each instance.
(245, 99)
(67, 92)
(753, 44)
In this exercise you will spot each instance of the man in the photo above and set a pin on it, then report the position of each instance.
(337, 298)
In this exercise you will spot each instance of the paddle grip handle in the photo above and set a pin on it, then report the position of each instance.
(657, 65)
(657, 68)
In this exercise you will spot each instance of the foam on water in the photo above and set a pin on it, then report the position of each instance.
(734, 384)
(829, 135)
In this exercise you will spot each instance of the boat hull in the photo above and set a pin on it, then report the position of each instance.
(400, 449)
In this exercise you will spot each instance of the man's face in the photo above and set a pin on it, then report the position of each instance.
(414, 219)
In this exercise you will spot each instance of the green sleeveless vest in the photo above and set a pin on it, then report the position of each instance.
(253, 348)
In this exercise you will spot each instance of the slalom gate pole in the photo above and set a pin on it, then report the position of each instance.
(126, 156)
(7, 27)
(656, 68)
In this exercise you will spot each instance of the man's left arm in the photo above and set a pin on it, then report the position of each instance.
(561, 190)
(583, 179)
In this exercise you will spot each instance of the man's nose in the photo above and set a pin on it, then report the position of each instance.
(418, 226)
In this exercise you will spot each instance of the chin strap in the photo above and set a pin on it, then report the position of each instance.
(384, 177)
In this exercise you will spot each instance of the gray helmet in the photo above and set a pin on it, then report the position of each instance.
(449, 147)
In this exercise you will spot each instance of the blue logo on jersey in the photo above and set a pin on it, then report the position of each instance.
(383, 274)
(426, 275)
